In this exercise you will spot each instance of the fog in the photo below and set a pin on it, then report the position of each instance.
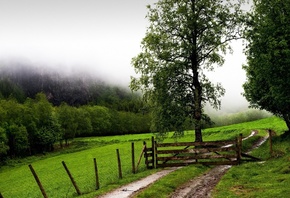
(93, 37)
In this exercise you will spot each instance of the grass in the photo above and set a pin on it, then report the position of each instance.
(269, 178)
(17, 181)
(166, 185)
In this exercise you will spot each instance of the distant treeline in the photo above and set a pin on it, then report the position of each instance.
(39, 109)
(239, 117)
(36, 125)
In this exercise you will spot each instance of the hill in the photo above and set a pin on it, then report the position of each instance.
(21, 80)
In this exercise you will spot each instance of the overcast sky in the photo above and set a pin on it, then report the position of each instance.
(99, 36)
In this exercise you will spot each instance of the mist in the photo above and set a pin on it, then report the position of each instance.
(96, 40)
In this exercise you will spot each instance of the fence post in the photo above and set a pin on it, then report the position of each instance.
(153, 152)
(133, 158)
(37, 180)
(270, 141)
(146, 155)
(71, 178)
(96, 174)
(239, 147)
(1, 195)
(119, 164)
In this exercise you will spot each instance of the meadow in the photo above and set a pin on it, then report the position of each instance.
(16, 179)
(267, 178)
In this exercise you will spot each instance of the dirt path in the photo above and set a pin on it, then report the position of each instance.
(129, 189)
(200, 187)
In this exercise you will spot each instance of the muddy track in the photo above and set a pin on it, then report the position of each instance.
(199, 187)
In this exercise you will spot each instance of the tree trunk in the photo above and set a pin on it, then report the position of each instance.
(196, 84)
(197, 111)
(197, 100)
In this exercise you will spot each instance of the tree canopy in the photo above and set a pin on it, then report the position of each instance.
(185, 38)
(268, 55)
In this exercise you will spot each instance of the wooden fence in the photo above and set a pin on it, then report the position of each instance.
(226, 152)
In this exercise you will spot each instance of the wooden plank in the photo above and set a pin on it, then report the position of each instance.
(209, 143)
(251, 157)
(193, 162)
(148, 155)
(197, 151)
(197, 157)
(153, 151)
(142, 152)
(148, 149)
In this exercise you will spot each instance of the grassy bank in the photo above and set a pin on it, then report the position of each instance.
(269, 178)
(232, 185)
(17, 180)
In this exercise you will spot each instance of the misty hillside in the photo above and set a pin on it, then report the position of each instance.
(22, 80)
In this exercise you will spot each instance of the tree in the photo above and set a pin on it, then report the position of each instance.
(17, 140)
(100, 119)
(184, 40)
(268, 55)
(47, 126)
(84, 122)
(3, 143)
(67, 119)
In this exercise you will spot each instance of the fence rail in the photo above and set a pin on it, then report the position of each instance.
(226, 152)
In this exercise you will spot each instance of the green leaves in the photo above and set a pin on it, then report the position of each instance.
(268, 69)
(183, 39)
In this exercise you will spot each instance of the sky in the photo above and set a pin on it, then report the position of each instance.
(95, 36)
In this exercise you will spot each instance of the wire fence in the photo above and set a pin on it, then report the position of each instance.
(56, 181)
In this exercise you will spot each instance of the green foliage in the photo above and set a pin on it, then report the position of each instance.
(36, 126)
(184, 39)
(17, 140)
(67, 118)
(3, 143)
(268, 52)
(84, 123)
(100, 119)
(17, 181)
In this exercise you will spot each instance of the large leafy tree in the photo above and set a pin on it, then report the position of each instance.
(268, 54)
(185, 38)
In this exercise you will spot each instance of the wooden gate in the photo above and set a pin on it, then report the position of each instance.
(149, 154)
(226, 152)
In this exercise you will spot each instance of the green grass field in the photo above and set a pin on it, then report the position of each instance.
(16, 179)
(270, 178)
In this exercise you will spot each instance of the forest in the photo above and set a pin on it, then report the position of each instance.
(38, 110)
